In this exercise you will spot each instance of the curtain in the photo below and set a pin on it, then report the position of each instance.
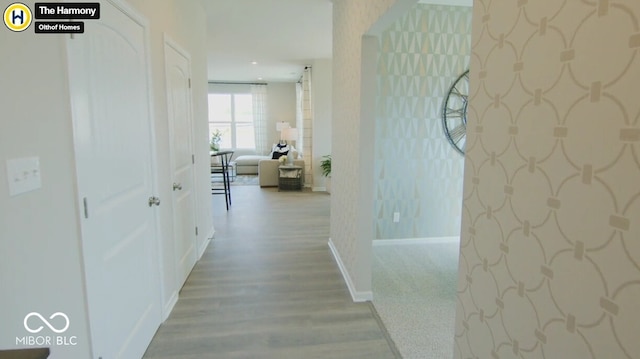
(259, 95)
(306, 124)
(299, 111)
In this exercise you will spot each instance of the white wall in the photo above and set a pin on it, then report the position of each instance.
(41, 266)
(321, 83)
(281, 97)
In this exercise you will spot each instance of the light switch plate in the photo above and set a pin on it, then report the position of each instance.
(23, 175)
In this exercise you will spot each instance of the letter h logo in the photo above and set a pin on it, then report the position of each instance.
(15, 16)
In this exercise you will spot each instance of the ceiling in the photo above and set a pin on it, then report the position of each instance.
(281, 36)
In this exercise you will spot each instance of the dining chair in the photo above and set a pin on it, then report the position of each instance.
(220, 168)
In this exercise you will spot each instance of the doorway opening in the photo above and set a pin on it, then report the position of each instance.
(418, 178)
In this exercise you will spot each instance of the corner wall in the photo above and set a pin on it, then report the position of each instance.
(417, 172)
(550, 247)
(321, 99)
(281, 104)
(352, 20)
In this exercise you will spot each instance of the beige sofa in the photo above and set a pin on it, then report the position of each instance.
(247, 161)
(268, 172)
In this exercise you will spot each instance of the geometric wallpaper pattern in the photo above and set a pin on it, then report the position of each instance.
(550, 243)
(417, 171)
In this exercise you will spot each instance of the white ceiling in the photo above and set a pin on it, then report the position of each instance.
(282, 36)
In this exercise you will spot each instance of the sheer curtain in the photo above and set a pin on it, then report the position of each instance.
(259, 95)
(304, 122)
(300, 140)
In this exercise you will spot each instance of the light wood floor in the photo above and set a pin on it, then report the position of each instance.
(268, 287)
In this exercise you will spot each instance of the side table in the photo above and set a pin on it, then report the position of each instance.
(289, 178)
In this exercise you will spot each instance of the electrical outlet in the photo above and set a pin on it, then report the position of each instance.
(396, 217)
(23, 175)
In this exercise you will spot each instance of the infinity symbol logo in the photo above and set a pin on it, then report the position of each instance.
(39, 329)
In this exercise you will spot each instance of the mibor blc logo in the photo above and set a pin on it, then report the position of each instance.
(36, 324)
(17, 17)
(45, 322)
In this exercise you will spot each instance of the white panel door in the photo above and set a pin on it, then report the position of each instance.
(110, 95)
(179, 103)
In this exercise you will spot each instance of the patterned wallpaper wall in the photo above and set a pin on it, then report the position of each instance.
(351, 19)
(418, 173)
(550, 249)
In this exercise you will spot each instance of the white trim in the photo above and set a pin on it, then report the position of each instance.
(319, 189)
(206, 242)
(169, 305)
(403, 241)
(356, 296)
(202, 249)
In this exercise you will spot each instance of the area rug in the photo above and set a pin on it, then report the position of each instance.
(245, 180)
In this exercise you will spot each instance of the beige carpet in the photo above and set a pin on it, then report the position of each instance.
(414, 288)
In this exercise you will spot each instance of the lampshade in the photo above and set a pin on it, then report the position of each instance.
(282, 125)
(290, 134)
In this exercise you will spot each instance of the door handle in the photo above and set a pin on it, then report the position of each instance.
(154, 201)
(177, 186)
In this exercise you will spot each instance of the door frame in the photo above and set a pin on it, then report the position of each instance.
(143, 22)
(169, 42)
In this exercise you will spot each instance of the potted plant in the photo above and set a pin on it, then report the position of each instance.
(216, 137)
(325, 166)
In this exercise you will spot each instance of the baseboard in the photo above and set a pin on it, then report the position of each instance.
(168, 307)
(356, 296)
(319, 189)
(205, 244)
(427, 240)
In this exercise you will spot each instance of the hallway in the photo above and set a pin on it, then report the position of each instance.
(268, 287)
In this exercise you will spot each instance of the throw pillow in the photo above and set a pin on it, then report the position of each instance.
(276, 155)
(278, 150)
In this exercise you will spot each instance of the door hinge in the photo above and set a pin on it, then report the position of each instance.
(86, 207)
(189, 83)
(193, 159)
(196, 231)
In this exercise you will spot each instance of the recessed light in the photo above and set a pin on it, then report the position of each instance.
(259, 78)
(254, 62)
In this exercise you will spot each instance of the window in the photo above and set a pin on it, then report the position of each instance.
(232, 114)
